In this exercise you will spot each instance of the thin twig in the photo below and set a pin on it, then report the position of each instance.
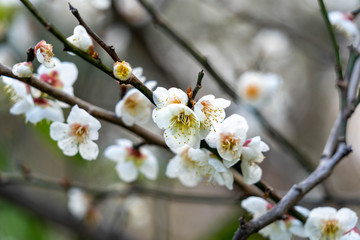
(198, 84)
(91, 109)
(109, 49)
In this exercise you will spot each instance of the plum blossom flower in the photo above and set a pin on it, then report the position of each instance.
(210, 110)
(130, 160)
(251, 156)
(62, 76)
(327, 223)
(163, 97)
(181, 125)
(135, 107)
(78, 134)
(122, 70)
(23, 69)
(35, 108)
(190, 165)
(256, 87)
(279, 230)
(138, 72)
(345, 24)
(228, 138)
(44, 54)
(101, 4)
(81, 39)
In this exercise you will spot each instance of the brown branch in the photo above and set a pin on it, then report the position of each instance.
(109, 49)
(95, 111)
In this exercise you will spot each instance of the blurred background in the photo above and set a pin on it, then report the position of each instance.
(283, 37)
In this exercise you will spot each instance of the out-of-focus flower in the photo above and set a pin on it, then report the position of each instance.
(122, 70)
(210, 110)
(251, 156)
(279, 230)
(44, 54)
(23, 69)
(135, 107)
(345, 24)
(256, 87)
(271, 44)
(34, 108)
(132, 11)
(137, 211)
(62, 76)
(130, 161)
(182, 126)
(191, 165)
(101, 4)
(228, 138)
(327, 223)
(78, 134)
(78, 203)
(138, 72)
(81, 39)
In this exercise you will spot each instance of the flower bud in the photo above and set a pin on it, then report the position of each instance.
(44, 54)
(122, 70)
(81, 39)
(23, 69)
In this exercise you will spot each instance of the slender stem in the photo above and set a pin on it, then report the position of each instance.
(109, 49)
(198, 83)
(334, 43)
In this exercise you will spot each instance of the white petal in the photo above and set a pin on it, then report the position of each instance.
(68, 146)
(347, 218)
(173, 167)
(89, 150)
(150, 166)
(115, 153)
(255, 205)
(59, 131)
(252, 173)
(68, 73)
(127, 171)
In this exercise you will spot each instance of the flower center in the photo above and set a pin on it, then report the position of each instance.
(46, 51)
(79, 131)
(135, 156)
(42, 102)
(212, 114)
(131, 104)
(252, 91)
(52, 78)
(229, 143)
(330, 228)
(123, 70)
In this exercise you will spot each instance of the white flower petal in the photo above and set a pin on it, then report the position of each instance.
(150, 166)
(252, 173)
(347, 218)
(89, 150)
(127, 171)
(255, 205)
(69, 146)
(59, 131)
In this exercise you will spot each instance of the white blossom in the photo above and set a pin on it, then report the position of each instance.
(138, 73)
(44, 54)
(122, 70)
(34, 108)
(191, 165)
(81, 39)
(130, 161)
(62, 76)
(163, 97)
(137, 211)
(23, 69)
(345, 24)
(101, 4)
(228, 138)
(210, 110)
(256, 87)
(78, 134)
(135, 107)
(251, 156)
(327, 223)
(353, 234)
(278, 230)
(181, 125)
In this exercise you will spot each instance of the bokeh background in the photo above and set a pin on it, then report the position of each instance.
(285, 37)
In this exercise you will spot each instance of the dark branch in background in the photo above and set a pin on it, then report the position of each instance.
(91, 109)
(109, 49)
(271, 131)
(95, 62)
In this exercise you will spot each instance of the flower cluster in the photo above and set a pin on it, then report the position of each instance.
(185, 127)
(37, 105)
(345, 24)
